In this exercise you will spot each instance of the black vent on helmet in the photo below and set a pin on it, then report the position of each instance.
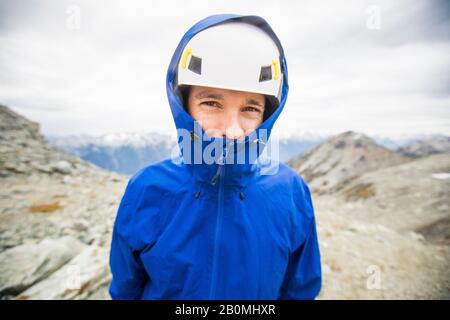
(195, 65)
(265, 74)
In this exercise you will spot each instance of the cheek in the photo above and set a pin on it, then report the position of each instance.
(250, 124)
(206, 120)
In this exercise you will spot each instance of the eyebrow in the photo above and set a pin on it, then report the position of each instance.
(205, 94)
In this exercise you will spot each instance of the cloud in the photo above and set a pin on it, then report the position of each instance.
(109, 75)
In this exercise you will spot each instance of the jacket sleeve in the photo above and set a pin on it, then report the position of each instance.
(303, 277)
(128, 274)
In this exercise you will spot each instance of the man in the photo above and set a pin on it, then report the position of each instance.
(215, 223)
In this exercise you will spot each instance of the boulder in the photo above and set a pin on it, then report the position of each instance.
(24, 265)
(83, 276)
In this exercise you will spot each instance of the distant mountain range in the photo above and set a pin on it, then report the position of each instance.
(341, 158)
(126, 153)
(427, 146)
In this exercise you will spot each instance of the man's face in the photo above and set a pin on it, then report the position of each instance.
(223, 112)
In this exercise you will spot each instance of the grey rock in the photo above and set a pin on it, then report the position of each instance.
(24, 265)
(80, 278)
(62, 166)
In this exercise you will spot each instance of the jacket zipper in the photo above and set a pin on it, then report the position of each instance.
(219, 175)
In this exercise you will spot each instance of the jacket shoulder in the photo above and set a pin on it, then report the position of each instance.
(290, 188)
(160, 177)
(283, 176)
(299, 185)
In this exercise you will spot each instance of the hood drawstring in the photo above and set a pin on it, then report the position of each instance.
(216, 176)
(199, 191)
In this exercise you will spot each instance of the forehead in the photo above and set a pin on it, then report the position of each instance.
(218, 93)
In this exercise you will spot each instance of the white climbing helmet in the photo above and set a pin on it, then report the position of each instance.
(232, 55)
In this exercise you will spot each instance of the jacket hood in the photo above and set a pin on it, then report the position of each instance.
(238, 159)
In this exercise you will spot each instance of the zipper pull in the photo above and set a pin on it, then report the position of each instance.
(216, 176)
(221, 162)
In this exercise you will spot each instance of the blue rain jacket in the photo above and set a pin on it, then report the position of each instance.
(199, 230)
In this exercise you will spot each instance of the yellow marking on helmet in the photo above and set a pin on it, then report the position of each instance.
(185, 56)
(275, 66)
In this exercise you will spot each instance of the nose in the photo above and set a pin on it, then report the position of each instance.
(232, 128)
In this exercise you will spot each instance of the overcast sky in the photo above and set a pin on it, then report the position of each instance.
(379, 67)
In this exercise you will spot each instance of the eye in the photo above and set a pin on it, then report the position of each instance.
(211, 103)
(252, 109)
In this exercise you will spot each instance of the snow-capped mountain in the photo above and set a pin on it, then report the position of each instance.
(121, 152)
